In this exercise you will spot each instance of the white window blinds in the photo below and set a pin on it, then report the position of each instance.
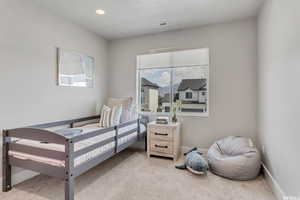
(192, 57)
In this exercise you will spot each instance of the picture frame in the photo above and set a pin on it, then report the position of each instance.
(75, 69)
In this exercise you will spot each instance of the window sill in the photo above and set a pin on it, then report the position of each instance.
(183, 114)
(155, 113)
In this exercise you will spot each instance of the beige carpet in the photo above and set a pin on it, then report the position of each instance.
(130, 175)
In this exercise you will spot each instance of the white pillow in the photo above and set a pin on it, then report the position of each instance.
(130, 113)
(126, 106)
(115, 115)
(133, 112)
(105, 117)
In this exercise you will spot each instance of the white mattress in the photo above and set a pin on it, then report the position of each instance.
(78, 145)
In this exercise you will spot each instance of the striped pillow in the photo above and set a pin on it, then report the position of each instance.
(115, 115)
(105, 117)
(126, 104)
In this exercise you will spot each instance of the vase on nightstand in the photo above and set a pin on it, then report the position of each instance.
(175, 108)
(174, 118)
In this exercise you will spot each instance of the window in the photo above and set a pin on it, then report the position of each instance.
(155, 88)
(188, 95)
(165, 78)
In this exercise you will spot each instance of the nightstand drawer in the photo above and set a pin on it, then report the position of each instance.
(161, 146)
(159, 133)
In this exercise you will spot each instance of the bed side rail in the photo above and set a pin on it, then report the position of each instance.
(104, 142)
(120, 147)
(127, 123)
(98, 159)
(65, 122)
(101, 131)
(92, 134)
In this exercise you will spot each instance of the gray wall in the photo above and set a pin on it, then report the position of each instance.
(279, 96)
(28, 74)
(232, 78)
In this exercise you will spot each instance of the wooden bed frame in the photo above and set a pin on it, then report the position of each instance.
(69, 172)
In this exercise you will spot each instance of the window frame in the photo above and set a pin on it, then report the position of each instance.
(188, 95)
(180, 114)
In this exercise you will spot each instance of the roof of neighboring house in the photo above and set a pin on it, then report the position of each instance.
(148, 83)
(193, 84)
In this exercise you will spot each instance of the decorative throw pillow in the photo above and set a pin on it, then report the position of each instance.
(126, 104)
(115, 115)
(133, 112)
(130, 113)
(105, 117)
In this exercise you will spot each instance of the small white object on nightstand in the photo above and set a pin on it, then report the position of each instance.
(163, 140)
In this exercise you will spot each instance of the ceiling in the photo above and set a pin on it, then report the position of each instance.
(125, 18)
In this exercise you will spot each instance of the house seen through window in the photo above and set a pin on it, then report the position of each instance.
(168, 77)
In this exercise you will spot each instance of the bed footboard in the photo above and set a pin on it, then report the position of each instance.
(62, 172)
(36, 135)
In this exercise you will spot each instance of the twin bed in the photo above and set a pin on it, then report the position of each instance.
(66, 153)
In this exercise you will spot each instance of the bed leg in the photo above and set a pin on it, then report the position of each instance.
(69, 188)
(138, 130)
(69, 169)
(6, 167)
(146, 142)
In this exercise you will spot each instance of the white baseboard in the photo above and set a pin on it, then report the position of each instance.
(278, 192)
(20, 177)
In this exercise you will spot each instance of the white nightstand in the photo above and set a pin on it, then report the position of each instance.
(163, 140)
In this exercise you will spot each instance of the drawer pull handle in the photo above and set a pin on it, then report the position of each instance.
(159, 146)
(162, 134)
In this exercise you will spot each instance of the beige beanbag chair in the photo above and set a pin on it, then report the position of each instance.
(234, 158)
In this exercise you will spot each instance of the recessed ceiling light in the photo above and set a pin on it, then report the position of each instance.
(100, 12)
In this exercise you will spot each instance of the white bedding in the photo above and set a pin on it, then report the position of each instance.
(78, 145)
